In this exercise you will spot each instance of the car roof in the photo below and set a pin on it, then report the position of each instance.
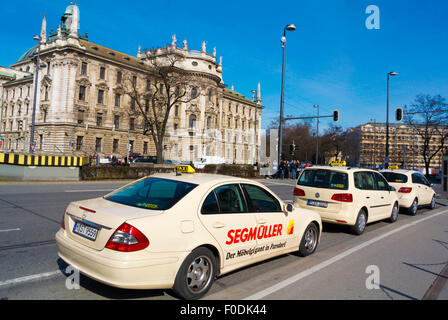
(341, 169)
(199, 178)
(402, 171)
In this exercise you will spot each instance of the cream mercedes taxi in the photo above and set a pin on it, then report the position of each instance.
(413, 189)
(181, 230)
(346, 196)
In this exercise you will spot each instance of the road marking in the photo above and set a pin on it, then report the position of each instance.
(10, 230)
(263, 293)
(34, 277)
(96, 190)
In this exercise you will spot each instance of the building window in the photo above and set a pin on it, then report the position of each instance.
(41, 141)
(132, 104)
(146, 105)
(145, 147)
(194, 92)
(192, 122)
(100, 96)
(82, 93)
(117, 99)
(209, 122)
(148, 84)
(119, 76)
(98, 145)
(79, 143)
(117, 122)
(84, 68)
(134, 81)
(115, 146)
(131, 146)
(80, 116)
(102, 73)
(131, 124)
(99, 120)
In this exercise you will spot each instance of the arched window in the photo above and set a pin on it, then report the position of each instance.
(194, 92)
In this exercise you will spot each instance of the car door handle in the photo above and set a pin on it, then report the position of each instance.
(262, 221)
(219, 225)
(367, 197)
(382, 197)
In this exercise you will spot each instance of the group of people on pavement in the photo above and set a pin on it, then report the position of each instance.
(290, 169)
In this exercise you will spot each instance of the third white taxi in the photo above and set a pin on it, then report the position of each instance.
(413, 189)
(180, 231)
(347, 196)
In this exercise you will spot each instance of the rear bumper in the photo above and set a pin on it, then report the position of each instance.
(137, 270)
(405, 200)
(346, 215)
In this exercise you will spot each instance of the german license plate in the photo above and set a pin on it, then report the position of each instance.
(320, 204)
(85, 231)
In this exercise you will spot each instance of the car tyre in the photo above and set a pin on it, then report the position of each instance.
(413, 208)
(394, 215)
(432, 205)
(196, 275)
(360, 224)
(309, 242)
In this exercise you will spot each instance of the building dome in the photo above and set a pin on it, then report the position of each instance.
(27, 55)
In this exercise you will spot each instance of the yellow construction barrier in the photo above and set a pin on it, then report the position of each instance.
(42, 161)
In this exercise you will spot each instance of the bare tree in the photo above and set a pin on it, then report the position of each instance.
(165, 87)
(428, 118)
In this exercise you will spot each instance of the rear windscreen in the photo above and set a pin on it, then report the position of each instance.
(324, 179)
(152, 193)
(394, 177)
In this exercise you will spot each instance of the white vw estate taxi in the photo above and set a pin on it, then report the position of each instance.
(413, 189)
(347, 196)
(181, 231)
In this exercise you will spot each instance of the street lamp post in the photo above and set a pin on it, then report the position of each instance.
(36, 82)
(386, 160)
(289, 27)
(254, 92)
(317, 135)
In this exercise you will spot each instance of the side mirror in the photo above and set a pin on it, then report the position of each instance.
(288, 207)
(432, 185)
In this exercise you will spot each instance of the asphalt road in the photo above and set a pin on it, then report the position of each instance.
(404, 260)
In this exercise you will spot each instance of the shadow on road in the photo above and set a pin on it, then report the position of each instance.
(109, 292)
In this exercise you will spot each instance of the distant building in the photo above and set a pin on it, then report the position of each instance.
(83, 109)
(405, 146)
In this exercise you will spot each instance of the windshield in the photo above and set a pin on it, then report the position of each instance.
(152, 193)
(393, 177)
(324, 179)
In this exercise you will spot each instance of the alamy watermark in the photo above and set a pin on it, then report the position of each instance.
(373, 20)
(373, 280)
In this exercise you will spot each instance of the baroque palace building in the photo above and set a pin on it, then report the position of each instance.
(82, 107)
(405, 146)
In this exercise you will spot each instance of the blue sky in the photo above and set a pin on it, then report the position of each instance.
(333, 60)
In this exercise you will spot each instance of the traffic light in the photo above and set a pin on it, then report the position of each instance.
(336, 115)
(20, 125)
(292, 149)
(399, 114)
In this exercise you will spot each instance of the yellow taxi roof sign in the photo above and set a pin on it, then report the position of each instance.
(393, 167)
(338, 163)
(184, 169)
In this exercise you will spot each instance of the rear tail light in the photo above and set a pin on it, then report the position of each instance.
(299, 192)
(405, 190)
(342, 197)
(63, 222)
(127, 239)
